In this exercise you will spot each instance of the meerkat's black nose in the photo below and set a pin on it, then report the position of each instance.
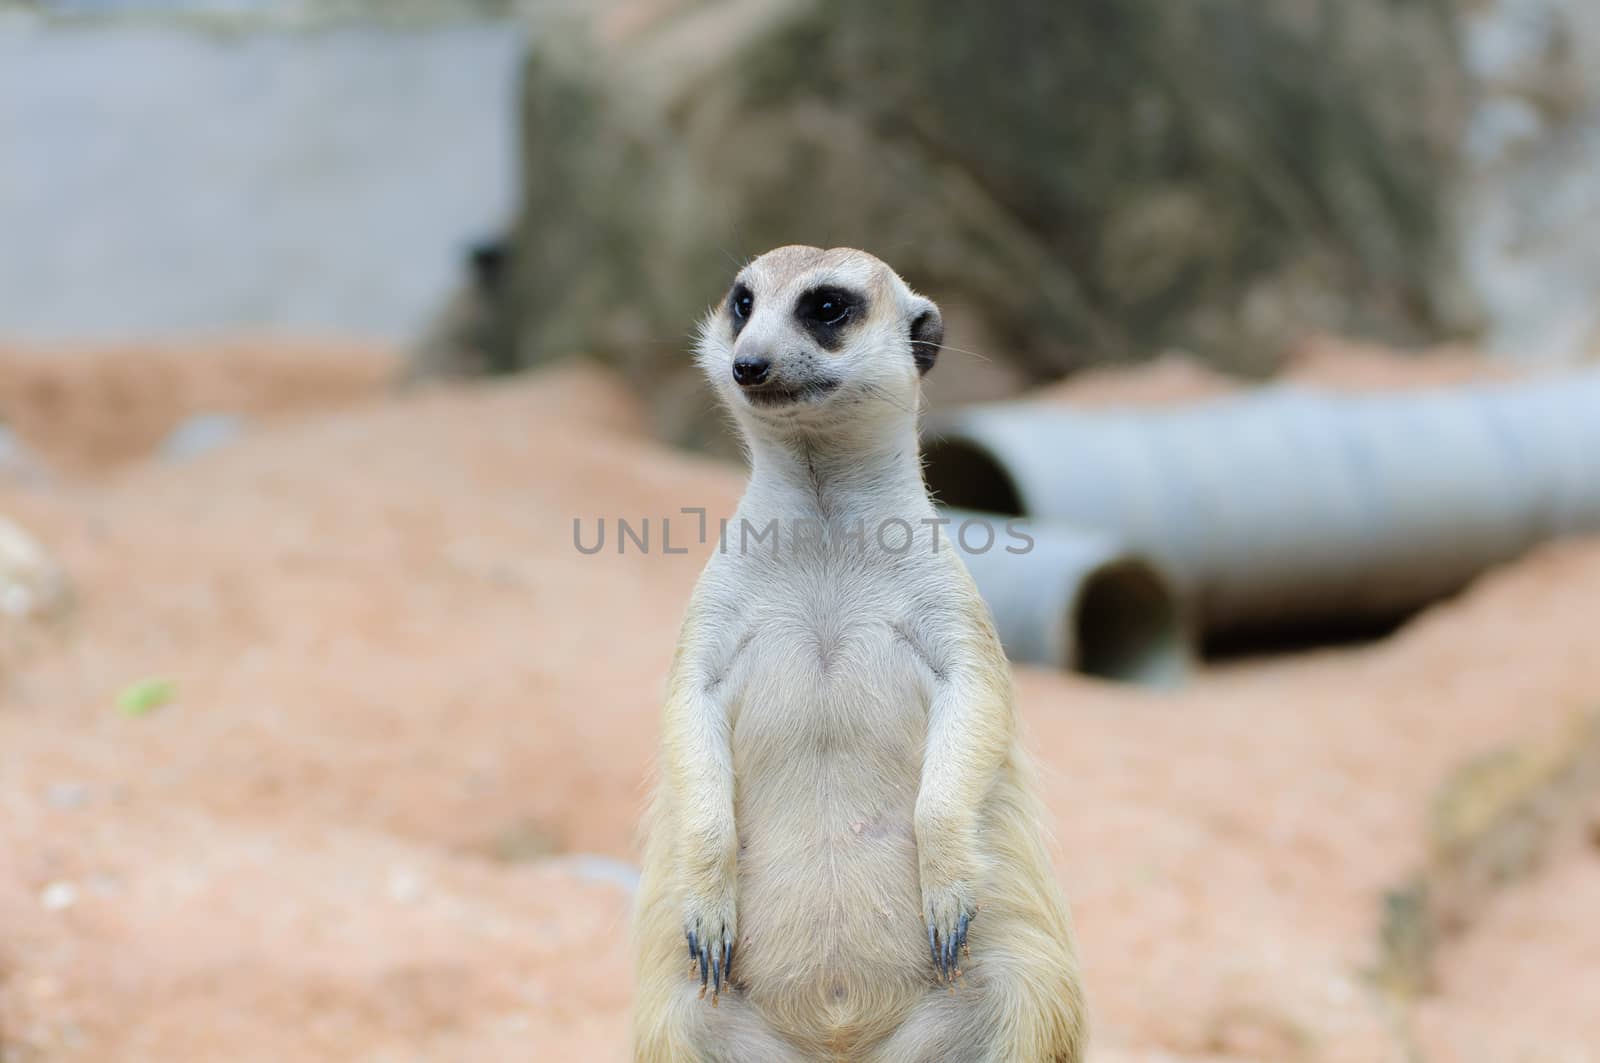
(749, 370)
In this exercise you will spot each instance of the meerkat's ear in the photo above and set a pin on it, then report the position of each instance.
(927, 333)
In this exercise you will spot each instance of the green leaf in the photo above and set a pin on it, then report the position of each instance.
(145, 696)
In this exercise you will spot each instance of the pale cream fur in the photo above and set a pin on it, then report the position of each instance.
(840, 767)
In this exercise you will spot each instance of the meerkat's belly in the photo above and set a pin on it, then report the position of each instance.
(828, 744)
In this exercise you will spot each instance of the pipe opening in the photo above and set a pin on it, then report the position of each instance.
(961, 474)
(1129, 627)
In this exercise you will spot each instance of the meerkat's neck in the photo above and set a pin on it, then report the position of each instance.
(838, 476)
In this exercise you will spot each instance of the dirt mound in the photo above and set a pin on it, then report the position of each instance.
(85, 408)
(1322, 362)
(384, 800)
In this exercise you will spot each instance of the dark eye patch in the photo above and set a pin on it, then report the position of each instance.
(741, 303)
(827, 312)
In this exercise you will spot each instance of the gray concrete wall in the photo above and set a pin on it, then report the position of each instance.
(168, 174)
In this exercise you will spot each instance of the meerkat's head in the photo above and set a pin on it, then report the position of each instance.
(807, 339)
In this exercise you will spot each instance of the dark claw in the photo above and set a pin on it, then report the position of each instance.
(961, 932)
(933, 944)
(716, 973)
(727, 962)
(704, 968)
(694, 947)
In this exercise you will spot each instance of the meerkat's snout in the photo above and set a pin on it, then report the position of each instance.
(791, 380)
(750, 370)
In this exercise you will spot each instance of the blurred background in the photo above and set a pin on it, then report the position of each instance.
(324, 324)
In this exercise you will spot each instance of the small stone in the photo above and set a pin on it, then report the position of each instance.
(602, 869)
(68, 795)
(16, 600)
(404, 886)
(104, 885)
(32, 584)
(59, 896)
(17, 463)
(201, 432)
(525, 840)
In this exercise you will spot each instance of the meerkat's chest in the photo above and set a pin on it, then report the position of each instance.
(827, 699)
(825, 648)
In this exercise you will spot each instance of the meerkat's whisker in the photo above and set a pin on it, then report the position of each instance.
(962, 350)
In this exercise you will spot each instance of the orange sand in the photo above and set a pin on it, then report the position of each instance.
(404, 703)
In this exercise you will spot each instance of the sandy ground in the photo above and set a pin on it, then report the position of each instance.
(389, 812)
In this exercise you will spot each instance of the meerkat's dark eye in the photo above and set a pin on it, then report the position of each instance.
(824, 312)
(741, 301)
(827, 306)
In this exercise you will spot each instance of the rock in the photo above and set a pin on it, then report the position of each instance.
(1530, 212)
(1217, 177)
(17, 462)
(59, 896)
(200, 432)
(32, 584)
(1494, 821)
(602, 869)
(68, 795)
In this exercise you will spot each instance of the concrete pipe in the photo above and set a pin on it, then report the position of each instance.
(1075, 599)
(1289, 508)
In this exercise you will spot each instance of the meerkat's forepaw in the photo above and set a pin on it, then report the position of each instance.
(711, 931)
(949, 914)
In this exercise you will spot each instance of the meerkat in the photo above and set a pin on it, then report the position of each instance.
(844, 858)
